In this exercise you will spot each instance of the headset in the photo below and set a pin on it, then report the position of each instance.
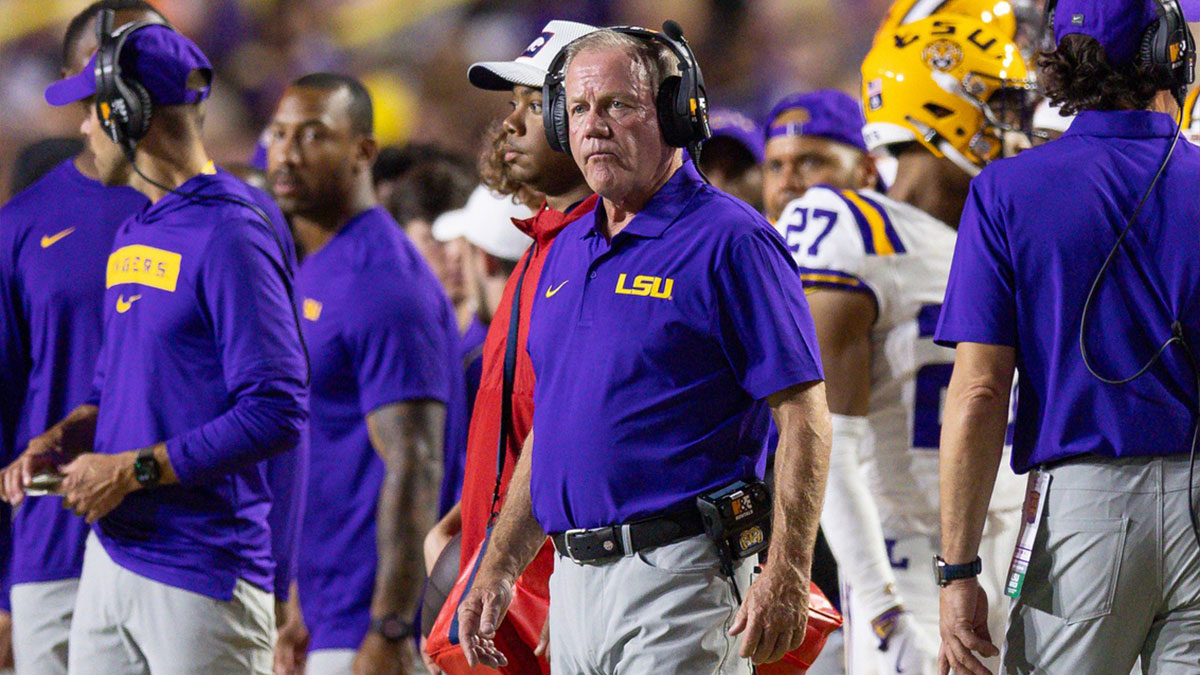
(681, 100)
(1168, 48)
(124, 109)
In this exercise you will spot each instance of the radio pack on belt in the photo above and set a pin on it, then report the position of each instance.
(738, 518)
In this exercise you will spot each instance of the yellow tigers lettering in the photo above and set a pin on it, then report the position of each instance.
(645, 285)
(145, 265)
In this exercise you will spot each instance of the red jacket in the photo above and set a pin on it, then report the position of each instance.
(480, 472)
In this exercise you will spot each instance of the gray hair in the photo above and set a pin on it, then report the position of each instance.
(657, 61)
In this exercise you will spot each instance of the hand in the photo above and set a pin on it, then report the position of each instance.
(479, 615)
(773, 615)
(964, 628)
(543, 646)
(6, 651)
(430, 664)
(95, 484)
(379, 656)
(43, 455)
(907, 649)
(291, 647)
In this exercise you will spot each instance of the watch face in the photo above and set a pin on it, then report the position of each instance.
(394, 628)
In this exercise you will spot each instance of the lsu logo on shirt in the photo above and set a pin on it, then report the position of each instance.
(645, 285)
(145, 265)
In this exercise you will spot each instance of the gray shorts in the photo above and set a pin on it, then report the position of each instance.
(41, 620)
(126, 624)
(665, 610)
(1114, 574)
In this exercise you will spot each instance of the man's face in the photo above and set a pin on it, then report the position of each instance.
(112, 166)
(313, 152)
(792, 164)
(614, 132)
(527, 155)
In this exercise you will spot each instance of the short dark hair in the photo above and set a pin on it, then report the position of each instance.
(1077, 75)
(39, 157)
(393, 161)
(82, 20)
(435, 183)
(362, 112)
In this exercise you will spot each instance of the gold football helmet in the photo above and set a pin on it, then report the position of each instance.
(998, 15)
(949, 83)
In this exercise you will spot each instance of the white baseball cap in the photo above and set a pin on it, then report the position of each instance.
(530, 68)
(486, 221)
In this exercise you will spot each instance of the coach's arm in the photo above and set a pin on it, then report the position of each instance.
(775, 611)
(973, 429)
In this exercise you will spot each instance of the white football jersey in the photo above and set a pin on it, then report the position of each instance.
(900, 256)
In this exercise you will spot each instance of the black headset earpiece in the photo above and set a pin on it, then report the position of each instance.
(681, 100)
(1167, 46)
(123, 105)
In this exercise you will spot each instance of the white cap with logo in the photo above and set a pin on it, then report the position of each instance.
(530, 68)
(486, 221)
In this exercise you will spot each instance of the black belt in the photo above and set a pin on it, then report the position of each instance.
(604, 544)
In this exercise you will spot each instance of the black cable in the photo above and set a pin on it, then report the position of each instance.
(289, 273)
(1177, 333)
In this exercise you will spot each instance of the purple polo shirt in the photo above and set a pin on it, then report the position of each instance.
(380, 330)
(654, 355)
(201, 351)
(54, 241)
(1026, 257)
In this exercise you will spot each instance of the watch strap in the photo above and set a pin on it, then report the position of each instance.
(944, 572)
(392, 627)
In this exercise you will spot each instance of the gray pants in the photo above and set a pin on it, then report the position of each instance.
(665, 610)
(1114, 575)
(41, 620)
(126, 624)
(330, 662)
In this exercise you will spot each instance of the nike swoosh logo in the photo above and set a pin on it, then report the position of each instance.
(551, 291)
(123, 305)
(53, 239)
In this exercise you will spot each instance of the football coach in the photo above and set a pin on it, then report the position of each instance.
(1090, 289)
(667, 326)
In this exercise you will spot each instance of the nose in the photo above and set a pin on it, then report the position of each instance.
(282, 150)
(514, 123)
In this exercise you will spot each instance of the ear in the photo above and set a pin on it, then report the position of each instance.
(866, 173)
(368, 150)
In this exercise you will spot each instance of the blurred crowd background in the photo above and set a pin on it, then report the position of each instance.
(413, 56)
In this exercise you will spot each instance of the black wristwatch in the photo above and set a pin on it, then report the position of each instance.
(146, 469)
(943, 573)
(392, 627)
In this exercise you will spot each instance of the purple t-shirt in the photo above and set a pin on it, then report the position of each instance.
(380, 330)
(1026, 257)
(654, 355)
(200, 350)
(54, 240)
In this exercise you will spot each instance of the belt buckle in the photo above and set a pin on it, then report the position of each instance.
(567, 544)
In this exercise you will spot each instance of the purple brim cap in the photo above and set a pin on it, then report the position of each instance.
(735, 125)
(160, 58)
(1117, 25)
(75, 88)
(827, 113)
